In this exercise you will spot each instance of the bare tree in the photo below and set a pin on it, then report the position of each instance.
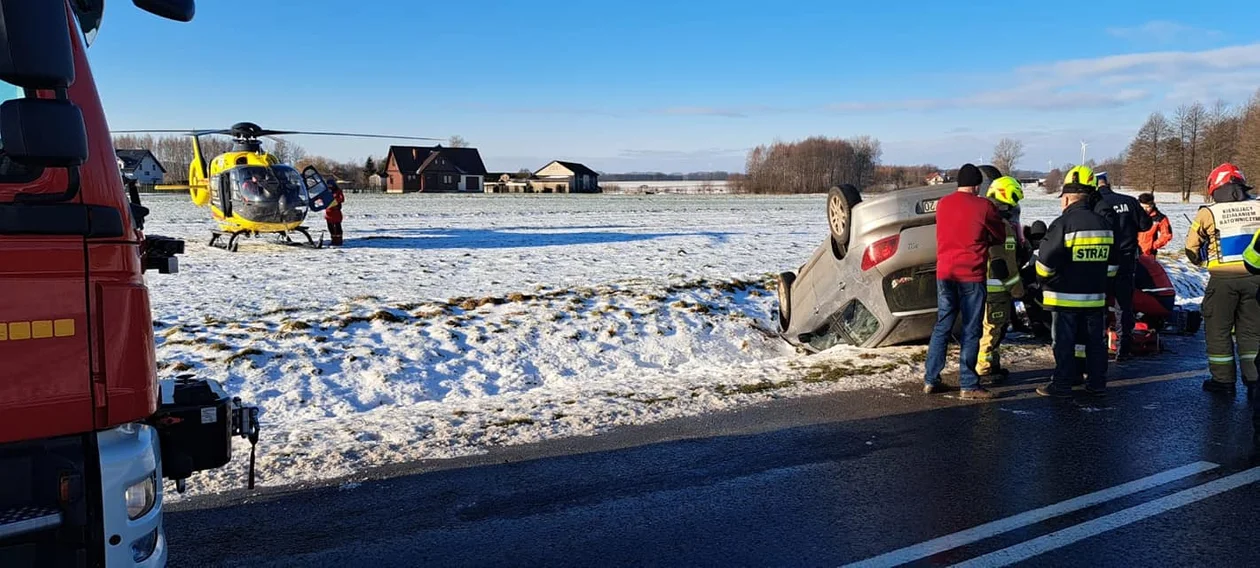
(1147, 155)
(457, 141)
(1247, 149)
(1006, 154)
(1190, 121)
(1054, 180)
(287, 152)
(810, 166)
(1220, 134)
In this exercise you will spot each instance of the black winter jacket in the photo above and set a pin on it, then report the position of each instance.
(1128, 220)
(1077, 260)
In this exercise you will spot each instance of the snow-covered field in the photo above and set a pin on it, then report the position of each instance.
(450, 324)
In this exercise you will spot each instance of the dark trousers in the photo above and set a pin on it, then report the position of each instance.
(954, 299)
(1231, 324)
(334, 231)
(1066, 332)
(1124, 298)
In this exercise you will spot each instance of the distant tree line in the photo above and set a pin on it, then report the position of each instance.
(810, 166)
(175, 153)
(1176, 153)
(658, 176)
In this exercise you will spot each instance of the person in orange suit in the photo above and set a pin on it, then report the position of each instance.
(1160, 233)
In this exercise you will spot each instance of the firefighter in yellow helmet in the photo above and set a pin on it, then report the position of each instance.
(1076, 264)
(1002, 281)
(1219, 238)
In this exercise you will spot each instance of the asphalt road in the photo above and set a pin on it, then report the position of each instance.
(1157, 474)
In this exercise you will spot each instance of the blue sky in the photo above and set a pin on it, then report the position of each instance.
(679, 86)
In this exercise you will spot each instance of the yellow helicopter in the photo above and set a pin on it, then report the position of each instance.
(250, 192)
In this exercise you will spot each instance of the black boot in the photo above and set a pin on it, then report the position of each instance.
(1215, 386)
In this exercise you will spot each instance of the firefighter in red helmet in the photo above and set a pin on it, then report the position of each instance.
(332, 215)
(1218, 238)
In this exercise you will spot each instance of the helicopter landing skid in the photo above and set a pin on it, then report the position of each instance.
(230, 245)
(310, 242)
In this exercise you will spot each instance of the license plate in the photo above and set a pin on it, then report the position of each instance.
(928, 206)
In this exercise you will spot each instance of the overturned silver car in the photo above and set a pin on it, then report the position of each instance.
(872, 282)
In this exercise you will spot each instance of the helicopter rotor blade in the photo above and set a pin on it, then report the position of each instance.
(172, 131)
(350, 134)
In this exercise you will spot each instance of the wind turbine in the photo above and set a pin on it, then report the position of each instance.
(1084, 145)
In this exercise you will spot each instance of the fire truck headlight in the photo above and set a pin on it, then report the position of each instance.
(141, 497)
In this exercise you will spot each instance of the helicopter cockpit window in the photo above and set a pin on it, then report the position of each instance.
(261, 183)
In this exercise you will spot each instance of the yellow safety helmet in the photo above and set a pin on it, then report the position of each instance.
(1007, 190)
(1080, 176)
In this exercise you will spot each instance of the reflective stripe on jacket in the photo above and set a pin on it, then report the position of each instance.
(1077, 258)
(1002, 289)
(1220, 233)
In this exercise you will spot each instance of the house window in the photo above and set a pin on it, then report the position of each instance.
(448, 179)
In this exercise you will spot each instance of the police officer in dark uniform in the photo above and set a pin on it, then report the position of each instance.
(1129, 221)
(1076, 262)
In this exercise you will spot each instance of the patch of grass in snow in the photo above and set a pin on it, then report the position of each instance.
(470, 304)
(218, 347)
(693, 307)
(294, 325)
(178, 366)
(169, 342)
(868, 356)
(379, 315)
(243, 354)
(655, 400)
(919, 356)
(279, 311)
(518, 421)
(366, 298)
(753, 388)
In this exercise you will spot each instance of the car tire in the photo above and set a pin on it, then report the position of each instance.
(990, 172)
(786, 279)
(840, 202)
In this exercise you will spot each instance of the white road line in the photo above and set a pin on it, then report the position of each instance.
(1076, 533)
(987, 530)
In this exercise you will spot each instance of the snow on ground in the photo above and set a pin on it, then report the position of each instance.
(450, 324)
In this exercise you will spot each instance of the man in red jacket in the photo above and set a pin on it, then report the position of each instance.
(333, 213)
(966, 226)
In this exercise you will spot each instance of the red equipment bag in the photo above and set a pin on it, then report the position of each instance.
(1145, 341)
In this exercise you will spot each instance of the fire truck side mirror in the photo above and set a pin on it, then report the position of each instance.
(43, 132)
(178, 10)
(35, 48)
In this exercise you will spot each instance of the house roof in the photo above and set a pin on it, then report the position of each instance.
(131, 158)
(513, 175)
(576, 168)
(417, 158)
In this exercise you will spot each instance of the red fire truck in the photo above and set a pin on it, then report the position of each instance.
(87, 432)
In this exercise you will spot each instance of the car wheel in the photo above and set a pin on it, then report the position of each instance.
(785, 299)
(990, 172)
(840, 203)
